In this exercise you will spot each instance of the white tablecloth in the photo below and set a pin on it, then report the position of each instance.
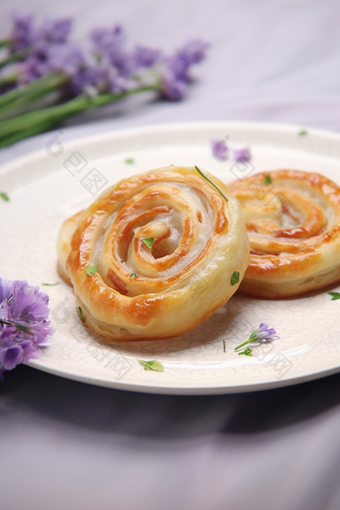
(67, 445)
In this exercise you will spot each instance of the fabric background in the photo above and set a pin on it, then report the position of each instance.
(67, 445)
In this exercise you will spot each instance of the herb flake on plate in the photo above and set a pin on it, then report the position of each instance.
(154, 365)
(4, 196)
(335, 295)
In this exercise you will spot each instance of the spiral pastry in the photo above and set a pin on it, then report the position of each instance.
(293, 223)
(164, 245)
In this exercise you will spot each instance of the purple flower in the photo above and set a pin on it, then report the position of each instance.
(175, 77)
(191, 53)
(22, 31)
(171, 87)
(64, 58)
(55, 30)
(220, 150)
(263, 334)
(242, 154)
(24, 324)
(109, 45)
(145, 57)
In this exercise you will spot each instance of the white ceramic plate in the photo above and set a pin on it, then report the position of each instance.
(48, 186)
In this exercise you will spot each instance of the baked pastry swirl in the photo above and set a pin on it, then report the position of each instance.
(165, 244)
(293, 223)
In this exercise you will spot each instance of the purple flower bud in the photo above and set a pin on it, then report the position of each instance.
(22, 31)
(171, 87)
(242, 154)
(65, 58)
(220, 150)
(191, 53)
(146, 57)
(54, 30)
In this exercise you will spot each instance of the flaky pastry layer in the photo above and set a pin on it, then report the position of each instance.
(139, 292)
(293, 223)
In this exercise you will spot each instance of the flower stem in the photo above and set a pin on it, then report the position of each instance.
(14, 57)
(8, 80)
(27, 124)
(26, 94)
(5, 42)
(252, 338)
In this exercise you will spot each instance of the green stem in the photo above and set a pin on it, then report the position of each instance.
(8, 80)
(31, 123)
(31, 92)
(18, 55)
(252, 338)
(5, 42)
(49, 81)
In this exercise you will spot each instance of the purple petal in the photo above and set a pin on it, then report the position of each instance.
(242, 154)
(220, 149)
(172, 88)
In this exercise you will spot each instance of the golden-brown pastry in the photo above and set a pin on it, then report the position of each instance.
(293, 223)
(165, 244)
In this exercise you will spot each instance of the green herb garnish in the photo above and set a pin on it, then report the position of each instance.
(267, 180)
(133, 275)
(50, 284)
(151, 365)
(207, 179)
(235, 278)
(80, 313)
(224, 348)
(4, 196)
(90, 270)
(335, 295)
(148, 242)
(303, 133)
(130, 161)
(246, 352)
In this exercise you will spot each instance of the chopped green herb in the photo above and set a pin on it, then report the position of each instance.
(335, 295)
(80, 313)
(235, 278)
(152, 365)
(303, 133)
(4, 196)
(148, 242)
(224, 348)
(130, 161)
(50, 284)
(246, 352)
(207, 179)
(90, 270)
(267, 180)
(133, 275)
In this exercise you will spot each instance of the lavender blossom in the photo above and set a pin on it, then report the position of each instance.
(175, 78)
(109, 45)
(242, 155)
(55, 30)
(171, 87)
(24, 325)
(145, 56)
(263, 334)
(220, 150)
(22, 31)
